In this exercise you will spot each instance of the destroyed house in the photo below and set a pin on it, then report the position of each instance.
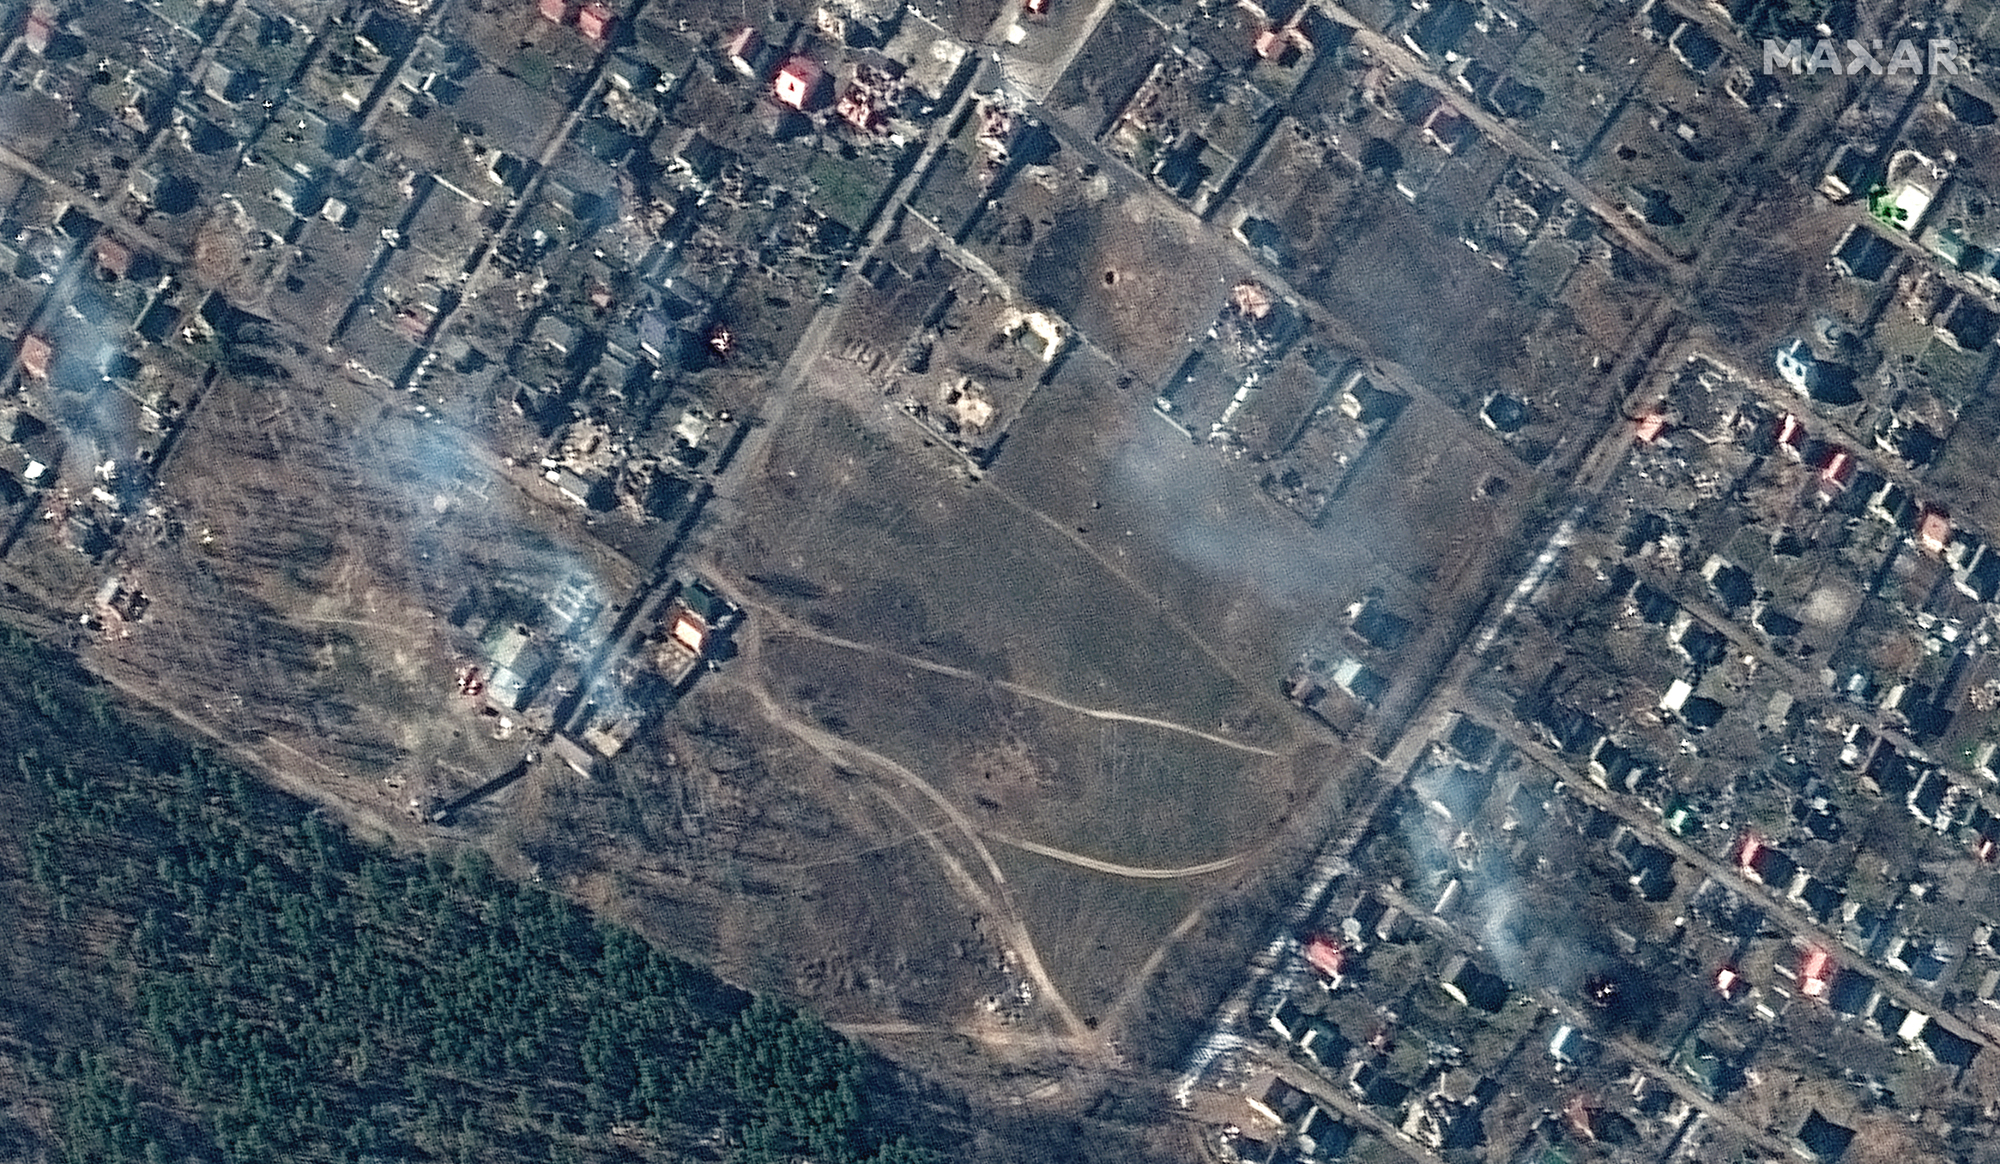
(1615, 767)
(1278, 1101)
(1323, 1043)
(1440, 29)
(1704, 1064)
(1452, 790)
(1822, 1139)
(1729, 583)
(1376, 626)
(1289, 1020)
(1375, 1086)
(1969, 325)
(1471, 740)
(1698, 643)
(1863, 254)
(1471, 986)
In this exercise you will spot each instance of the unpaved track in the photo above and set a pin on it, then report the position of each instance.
(1115, 870)
(1002, 911)
(803, 630)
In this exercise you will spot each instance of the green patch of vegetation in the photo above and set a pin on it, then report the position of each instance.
(1882, 205)
(313, 998)
(846, 192)
(536, 70)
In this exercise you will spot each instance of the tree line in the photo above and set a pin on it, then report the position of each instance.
(312, 997)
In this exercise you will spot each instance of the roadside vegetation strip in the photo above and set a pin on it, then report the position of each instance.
(1116, 870)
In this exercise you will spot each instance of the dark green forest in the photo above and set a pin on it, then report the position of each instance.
(231, 977)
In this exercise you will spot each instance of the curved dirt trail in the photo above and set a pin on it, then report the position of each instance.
(1003, 912)
(794, 626)
(1116, 870)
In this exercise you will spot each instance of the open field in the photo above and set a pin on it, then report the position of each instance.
(1117, 792)
(880, 539)
(975, 651)
(1094, 931)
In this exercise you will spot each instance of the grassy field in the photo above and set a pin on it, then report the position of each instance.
(1119, 792)
(1094, 931)
(968, 620)
(902, 551)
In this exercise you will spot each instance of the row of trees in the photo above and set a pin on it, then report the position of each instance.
(313, 998)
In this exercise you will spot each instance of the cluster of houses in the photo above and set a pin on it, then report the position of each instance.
(1706, 973)
(586, 673)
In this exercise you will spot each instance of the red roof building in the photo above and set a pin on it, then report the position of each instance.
(1837, 471)
(114, 259)
(798, 83)
(1934, 531)
(1582, 1116)
(35, 356)
(41, 29)
(1326, 955)
(597, 22)
(1276, 45)
(556, 10)
(1747, 852)
(1815, 973)
(1792, 436)
(858, 111)
(689, 633)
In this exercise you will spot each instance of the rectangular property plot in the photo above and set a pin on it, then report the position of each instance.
(1108, 71)
(1124, 271)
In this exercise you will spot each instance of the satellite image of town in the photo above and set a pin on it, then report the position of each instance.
(999, 581)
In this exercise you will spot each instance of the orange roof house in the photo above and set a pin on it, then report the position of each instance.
(1326, 955)
(1934, 531)
(596, 22)
(689, 632)
(1838, 470)
(1792, 436)
(798, 83)
(1815, 973)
